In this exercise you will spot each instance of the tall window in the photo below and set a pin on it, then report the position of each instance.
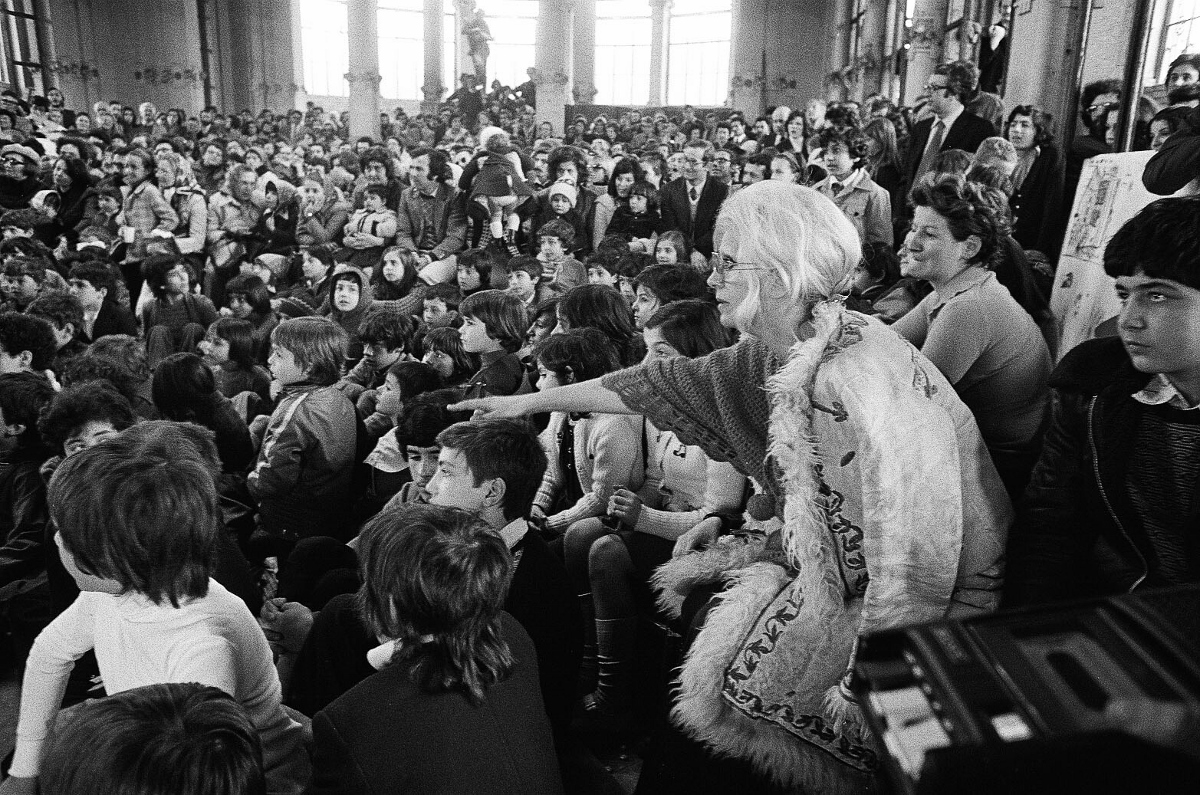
(623, 32)
(325, 44)
(698, 52)
(513, 24)
(401, 48)
(1181, 34)
(21, 59)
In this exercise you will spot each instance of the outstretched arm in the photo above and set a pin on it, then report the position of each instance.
(585, 397)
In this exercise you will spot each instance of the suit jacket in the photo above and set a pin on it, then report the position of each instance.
(677, 212)
(967, 134)
(387, 735)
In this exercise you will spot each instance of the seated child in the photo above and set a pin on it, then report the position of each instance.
(560, 205)
(302, 477)
(228, 348)
(417, 429)
(627, 270)
(385, 338)
(316, 266)
(660, 285)
(672, 248)
(601, 269)
(27, 344)
(94, 283)
(350, 300)
(395, 274)
(177, 318)
(21, 282)
(475, 270)
(606, 448)
(441, 306)
(121, 361)
(442, 349)
(555, 242)
(370, 229)
(525, 282)
(387, 467)
(639, 221)
(141, 547)
(157, 737)
(64, 312)
(879, 289)
(248, 298)
(494, 325)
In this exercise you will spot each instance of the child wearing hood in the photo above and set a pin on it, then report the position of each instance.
(279, 204)
(349, 300)
(561, 201)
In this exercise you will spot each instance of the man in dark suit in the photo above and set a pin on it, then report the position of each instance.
(952, 126)
(690, 203)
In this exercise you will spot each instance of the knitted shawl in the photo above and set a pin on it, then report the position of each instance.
(891, 514)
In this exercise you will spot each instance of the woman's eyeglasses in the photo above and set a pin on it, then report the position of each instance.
(722, 264)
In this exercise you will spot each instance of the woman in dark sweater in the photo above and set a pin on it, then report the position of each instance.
(1037, 194)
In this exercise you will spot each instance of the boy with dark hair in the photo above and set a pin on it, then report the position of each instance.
(525, 281)
(302, 477)
(1112, 503)
(139, 521)
(94, 283)
(850, 187)
(441, 305)
(20, 223)
(556, 241)
(177, 318)
(417, 429)
(494, 326)
(158, 738)
(493, 468)
(27, 343)
(22, 281)
(386, 338)
(64, 312)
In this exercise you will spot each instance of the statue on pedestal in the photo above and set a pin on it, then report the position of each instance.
(478, 34)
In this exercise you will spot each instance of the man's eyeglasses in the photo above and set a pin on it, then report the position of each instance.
(722, 264)
(692, 161)
(1103, 108)
(930, 88)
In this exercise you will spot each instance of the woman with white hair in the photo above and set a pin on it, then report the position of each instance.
(884, 506)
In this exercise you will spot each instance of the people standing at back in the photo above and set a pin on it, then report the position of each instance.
(952, 126)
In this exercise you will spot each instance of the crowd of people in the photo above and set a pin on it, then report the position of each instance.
(381, 464)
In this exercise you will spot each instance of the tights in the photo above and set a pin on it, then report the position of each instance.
(614, 565)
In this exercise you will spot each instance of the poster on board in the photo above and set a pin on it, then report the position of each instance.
(1084, 297)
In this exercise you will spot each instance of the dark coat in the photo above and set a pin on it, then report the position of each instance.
(967, 134)
(1178, 161)
(677, 213)
(1036, 205)
(387, 735)
(1077, 533)
(113, 319)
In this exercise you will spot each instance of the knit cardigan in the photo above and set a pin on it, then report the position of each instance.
(608, 453)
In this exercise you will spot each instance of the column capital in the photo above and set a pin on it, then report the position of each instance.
(661, 5)
(364, 77)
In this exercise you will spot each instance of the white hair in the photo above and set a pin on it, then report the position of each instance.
(800, 234)
(781, 113)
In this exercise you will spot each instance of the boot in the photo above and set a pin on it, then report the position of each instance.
(615, 641)
(510, 243)
(588, 666)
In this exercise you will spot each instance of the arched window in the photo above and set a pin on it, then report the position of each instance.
(698, 52)
(623, 31)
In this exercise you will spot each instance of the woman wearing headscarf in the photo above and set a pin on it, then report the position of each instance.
(174, 176)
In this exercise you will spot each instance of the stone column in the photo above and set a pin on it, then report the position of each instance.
(433, 88)
(658, 48)
(551, 56)
(583, 73)
(746, 62)
(871, 34)
(926, 38)
(46, 54)
(364, 76)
